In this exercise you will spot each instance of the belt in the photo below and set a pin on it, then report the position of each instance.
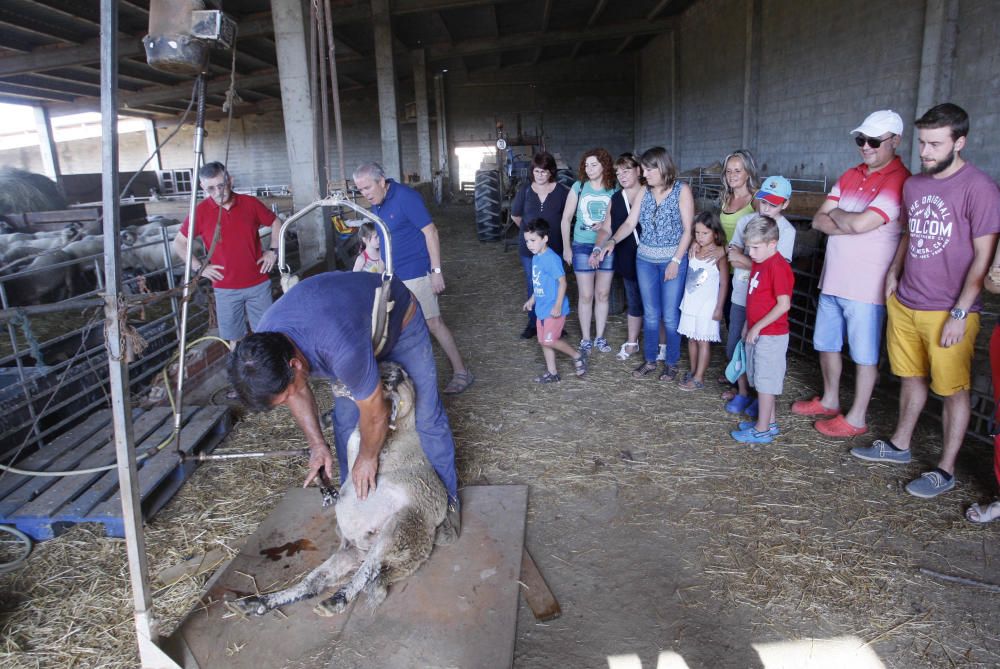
(410, 310)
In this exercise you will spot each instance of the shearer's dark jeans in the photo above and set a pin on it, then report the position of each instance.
(414, 354)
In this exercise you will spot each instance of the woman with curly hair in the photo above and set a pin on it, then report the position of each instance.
(588, 201)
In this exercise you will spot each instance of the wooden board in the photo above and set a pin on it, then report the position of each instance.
(43, 507)
(458, 610)
(541, 601)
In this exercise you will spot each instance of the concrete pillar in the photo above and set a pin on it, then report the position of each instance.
(675, 54)
(386, 77)
(47, 144)
(751, 75)
(423, 115)
(304, 156)
(152, 146)
(442, 129)
(937, 64)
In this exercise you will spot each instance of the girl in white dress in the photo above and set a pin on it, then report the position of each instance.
(704, 296)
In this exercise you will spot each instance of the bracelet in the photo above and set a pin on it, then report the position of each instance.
(273, 249)
(675, 260)
(596, 251)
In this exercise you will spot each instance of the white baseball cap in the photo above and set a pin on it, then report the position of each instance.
(880, 122)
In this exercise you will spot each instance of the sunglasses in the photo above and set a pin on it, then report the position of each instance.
(873, 142)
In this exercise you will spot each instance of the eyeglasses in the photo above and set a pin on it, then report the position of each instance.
(873, 142)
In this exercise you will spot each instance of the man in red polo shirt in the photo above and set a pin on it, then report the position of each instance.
(238, 266)
(861, 215)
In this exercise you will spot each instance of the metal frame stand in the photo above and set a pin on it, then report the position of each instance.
(150, 654)
(199, 144)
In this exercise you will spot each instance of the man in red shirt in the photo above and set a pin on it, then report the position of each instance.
(238, 266)
(765, 333)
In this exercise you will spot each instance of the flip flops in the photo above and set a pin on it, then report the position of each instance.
(983, 513)
(690, 384)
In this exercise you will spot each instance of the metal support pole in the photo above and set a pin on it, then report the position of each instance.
(337, 124)
(121, 411)
(199, 143)
(168, 263)
(323, 97)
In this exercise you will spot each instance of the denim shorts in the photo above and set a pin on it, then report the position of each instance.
(861, 323)
(581, 259)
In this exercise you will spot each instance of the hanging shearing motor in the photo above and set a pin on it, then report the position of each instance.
(181, 33)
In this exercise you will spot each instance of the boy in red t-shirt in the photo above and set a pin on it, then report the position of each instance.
(765, 333)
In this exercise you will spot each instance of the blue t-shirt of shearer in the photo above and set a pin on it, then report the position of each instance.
(329, 317)
(406, 216)
(546, 270)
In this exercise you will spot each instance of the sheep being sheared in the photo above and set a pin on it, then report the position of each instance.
(386, 537)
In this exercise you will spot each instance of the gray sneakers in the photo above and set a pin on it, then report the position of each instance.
(930, 484)
(881, 450)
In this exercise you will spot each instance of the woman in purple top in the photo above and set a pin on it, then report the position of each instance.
(541, 198)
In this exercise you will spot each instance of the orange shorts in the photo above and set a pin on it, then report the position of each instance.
(913, 339)
(550, 330)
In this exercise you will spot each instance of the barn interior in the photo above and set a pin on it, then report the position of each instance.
(664, 545)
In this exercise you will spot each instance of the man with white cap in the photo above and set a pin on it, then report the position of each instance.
(861, 216)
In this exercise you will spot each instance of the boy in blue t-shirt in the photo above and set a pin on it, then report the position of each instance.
(548, 299)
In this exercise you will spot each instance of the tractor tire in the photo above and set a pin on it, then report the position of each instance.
(566, 177)
(488, 206)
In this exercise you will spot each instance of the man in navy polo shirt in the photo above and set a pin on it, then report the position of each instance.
(416, 256)
(272, 367)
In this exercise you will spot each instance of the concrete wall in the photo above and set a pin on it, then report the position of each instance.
(584, 104)
(823, 66)
(819, 67)
(976, 84)
(257, 148)
(710, 81)
(80, 156)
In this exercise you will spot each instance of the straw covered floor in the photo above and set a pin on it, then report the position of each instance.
(652, 527)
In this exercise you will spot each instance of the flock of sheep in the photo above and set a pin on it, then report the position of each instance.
(44, 267)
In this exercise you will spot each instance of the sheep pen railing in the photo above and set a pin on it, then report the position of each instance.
(53, 360)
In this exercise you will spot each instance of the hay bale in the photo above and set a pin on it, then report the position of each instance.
(22, 191)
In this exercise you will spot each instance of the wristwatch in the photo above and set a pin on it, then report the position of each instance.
(676, 260)
(958, 314)
(273, 248)
(435, 270)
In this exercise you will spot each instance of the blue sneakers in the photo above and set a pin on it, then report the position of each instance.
(738, 404)
(773, 428)
(882, 450)
(751, 436)
(930, 484)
